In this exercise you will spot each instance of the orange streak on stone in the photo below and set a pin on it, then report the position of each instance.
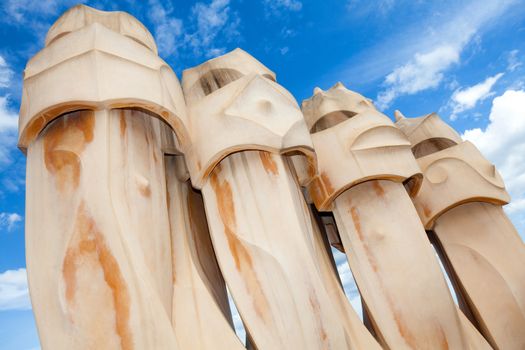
(123, 124)
(327, 183)
(357, 225)
(64, 142)
(402, 328)
(443, 338)
(426, 210)
(378, 189)
(241, 256)
(88, 245)
(268, 162)
(314, 303)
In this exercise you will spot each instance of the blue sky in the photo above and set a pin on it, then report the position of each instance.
(462, 59)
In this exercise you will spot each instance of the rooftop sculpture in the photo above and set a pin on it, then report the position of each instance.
(146, 197)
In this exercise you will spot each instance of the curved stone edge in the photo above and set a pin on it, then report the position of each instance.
(97, 68)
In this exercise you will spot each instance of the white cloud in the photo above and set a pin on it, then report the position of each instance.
(21, 10)
(167, 27)
(14, 294)
(9, 220)
(8, 118)
(208, 28)
(465, 99)
(513, 62)
(284, 50)
(276, 7)
(424, 71)
(5, 73)
(211, 20)
(365, 8)
(503, 143)
(418, 56)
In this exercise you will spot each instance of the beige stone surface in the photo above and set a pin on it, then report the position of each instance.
(84, 70)
(240, 122)
(460, 200)
(267, 259)
(237, 94)
(201, 314)
(453, 168)
(353, 143)
(96, 190)
(81, 16)
(487, 256)
(363, 163)
(145, 199)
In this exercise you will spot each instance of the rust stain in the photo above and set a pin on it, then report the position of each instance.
(64, 142)
(357, 222)
(443, 338)
(357, 225)
(402, 328)
(241, 256)
(310, 170)
(426, 210)
(316, 191)
(227, 213)
(314, 303)
(268, 163)
(88, 244)
(327, 183)
(123, 124)
(378, 188)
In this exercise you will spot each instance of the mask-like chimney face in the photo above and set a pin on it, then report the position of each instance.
(427, 134)
(329, 108)
(264, 102)
(454, 171)
(87, 54)
(235, 104)
(216, 79)
(82, 16)
(213, 75)
(364, 143)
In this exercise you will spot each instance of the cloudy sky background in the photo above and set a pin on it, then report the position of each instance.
(462, 59)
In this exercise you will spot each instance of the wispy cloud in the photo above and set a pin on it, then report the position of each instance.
(440, 30)
(8, 118)
(467, 98)
(168, 28)
(206, 31)
(209, 22)
(366, 8)
(5, 73)
(513, 61)
(440, 48)
(422, 72)
(22, 11)
(14, 294)
(9, 220)
(503, 142)
(277, 7)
